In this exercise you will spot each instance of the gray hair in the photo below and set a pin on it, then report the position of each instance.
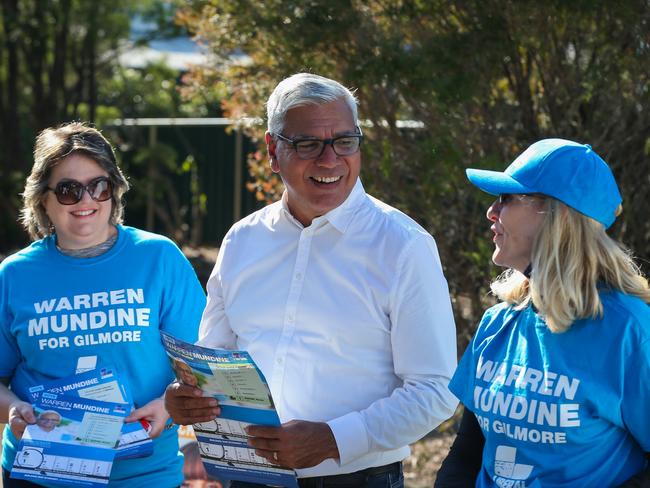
(53, 145)
(49, 412)
(305, 89)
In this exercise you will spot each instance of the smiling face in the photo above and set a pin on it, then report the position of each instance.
(184, 373)
(85, 223)
(315, 186)
(516, 222)
(47, 421)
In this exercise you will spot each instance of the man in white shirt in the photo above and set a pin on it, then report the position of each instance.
(339, 298)
(46, 427)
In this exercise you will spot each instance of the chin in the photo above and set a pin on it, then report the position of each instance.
(496, 259)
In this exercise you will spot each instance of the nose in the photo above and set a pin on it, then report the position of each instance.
(493, 211)
(328, 156)
(85, 195)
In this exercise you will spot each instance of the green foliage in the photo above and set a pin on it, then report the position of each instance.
(59, 62)
(49, 71)
(151, 92)
(486, 78)
(161, 13)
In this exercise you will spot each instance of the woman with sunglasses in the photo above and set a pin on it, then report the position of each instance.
(90, 292)
(555, 381)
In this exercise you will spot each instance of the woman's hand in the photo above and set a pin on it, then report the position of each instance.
(153, 412)
(21, 414)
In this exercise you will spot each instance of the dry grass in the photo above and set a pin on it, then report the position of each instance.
(421, 467)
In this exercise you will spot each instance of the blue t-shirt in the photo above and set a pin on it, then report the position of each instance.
(560, 409)
(55, 308)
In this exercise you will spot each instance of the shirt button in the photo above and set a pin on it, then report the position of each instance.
(290, 319)
(298, 276)
(278, 360)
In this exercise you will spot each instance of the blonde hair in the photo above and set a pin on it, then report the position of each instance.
(52, 146)
(572, 258)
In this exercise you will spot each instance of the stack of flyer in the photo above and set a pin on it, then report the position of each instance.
(234, 379)
(80, 430)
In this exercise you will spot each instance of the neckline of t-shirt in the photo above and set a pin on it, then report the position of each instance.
(119, 244)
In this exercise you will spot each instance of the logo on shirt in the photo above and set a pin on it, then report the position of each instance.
(507, 472)
(89, 319)
(525, 403)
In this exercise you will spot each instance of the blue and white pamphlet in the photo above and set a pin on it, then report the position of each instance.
(72, 443)
(233, 378)
(104, 384)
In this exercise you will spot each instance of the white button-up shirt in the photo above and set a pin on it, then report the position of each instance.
(349, 319)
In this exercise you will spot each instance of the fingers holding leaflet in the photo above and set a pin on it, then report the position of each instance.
(295, 444)
(21, 414)
(187, 405)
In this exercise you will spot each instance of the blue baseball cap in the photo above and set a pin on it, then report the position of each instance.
(568, 171)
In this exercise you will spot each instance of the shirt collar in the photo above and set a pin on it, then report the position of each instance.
(284, 210)
(340, 217)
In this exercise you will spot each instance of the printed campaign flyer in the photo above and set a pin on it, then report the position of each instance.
(73, 441)
(244, 397)
(105, 385)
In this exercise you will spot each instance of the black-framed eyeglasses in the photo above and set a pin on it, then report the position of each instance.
(69, 192)
(308, 148)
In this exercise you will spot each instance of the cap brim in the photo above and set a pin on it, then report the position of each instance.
(495, 182)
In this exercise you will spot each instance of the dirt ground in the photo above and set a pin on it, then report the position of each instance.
(421, 467)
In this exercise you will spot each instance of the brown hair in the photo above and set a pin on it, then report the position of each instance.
(52, 146)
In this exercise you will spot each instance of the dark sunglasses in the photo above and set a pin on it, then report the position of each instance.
(506, 198)
(69, 192)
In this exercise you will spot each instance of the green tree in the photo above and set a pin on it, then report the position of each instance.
(50, 64)
(155, 166)
(484, 78)
(59, 61)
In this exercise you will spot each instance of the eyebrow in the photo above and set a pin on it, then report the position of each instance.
(65, 180)
(338, 134)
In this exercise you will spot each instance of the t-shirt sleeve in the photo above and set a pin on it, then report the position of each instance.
(183, 298)
(636, 395)
(462, 383)
(463, 380)
(9, 353)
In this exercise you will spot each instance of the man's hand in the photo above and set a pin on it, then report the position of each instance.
(21, 414)
(296, 444)
(187, 405)
(153, 412)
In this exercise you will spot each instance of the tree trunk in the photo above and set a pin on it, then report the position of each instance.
(57, 91)
(92, 62)
(9, 113)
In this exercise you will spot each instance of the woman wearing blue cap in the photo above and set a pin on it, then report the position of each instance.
(555, 381)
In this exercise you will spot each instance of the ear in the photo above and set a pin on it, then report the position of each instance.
(271, 148)
(43, 200)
